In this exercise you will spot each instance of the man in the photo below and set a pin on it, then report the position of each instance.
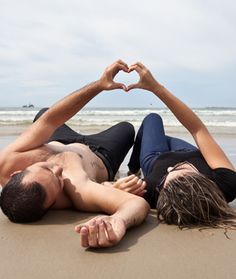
(51, 166)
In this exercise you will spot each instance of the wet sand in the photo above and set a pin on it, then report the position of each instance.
(51, 249)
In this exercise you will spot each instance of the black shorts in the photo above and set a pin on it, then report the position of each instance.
(111, 145)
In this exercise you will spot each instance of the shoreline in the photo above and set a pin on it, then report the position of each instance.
(89, 129)
(224, 136)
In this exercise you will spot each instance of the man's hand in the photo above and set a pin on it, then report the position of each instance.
(132, 184)
(101, 231)
(146, 81)
(107, 80)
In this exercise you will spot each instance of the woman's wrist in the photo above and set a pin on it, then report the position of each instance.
(159, 89)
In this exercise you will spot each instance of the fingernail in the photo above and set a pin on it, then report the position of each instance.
(76, 229)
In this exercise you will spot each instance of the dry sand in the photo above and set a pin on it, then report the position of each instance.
(51, 249)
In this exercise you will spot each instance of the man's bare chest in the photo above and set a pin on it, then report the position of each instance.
(86, 161)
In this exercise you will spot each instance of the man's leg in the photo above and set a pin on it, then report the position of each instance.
(150, 142)
(112, 145)
(64, 133)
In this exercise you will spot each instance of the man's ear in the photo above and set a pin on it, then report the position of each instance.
(15, 172)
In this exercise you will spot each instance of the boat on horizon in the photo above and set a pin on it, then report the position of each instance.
(28, 106)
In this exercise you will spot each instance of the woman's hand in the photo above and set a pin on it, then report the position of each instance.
(132, 184)
(146, 81)
(101, 231)
(107, 79)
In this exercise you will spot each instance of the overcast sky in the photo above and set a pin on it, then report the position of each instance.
(49, 48)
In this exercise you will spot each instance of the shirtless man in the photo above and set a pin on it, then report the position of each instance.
(39, 172)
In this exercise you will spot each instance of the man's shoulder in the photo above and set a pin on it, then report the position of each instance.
(3, 158)
(3, 164)
(6, 165)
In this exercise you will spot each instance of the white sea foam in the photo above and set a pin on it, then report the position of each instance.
(212, 117)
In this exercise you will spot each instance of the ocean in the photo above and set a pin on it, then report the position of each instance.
(216, 119)
(220, 121)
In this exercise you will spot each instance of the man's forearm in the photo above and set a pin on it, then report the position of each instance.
(133, 212)
(67, 107)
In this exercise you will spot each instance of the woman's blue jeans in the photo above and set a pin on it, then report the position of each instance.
(151, 141)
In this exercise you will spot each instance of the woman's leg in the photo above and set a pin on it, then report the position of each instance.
(176, 144)
(150, 142)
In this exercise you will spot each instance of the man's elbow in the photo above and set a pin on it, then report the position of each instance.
(143, 205)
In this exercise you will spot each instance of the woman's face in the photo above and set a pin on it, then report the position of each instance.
(179, 170)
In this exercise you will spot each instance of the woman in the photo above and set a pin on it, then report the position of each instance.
(189, 186)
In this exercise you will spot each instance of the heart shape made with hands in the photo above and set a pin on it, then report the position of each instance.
(127, 78)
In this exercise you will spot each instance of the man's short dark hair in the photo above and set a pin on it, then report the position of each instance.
(23, 203)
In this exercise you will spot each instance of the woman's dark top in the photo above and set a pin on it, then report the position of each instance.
(224, 178)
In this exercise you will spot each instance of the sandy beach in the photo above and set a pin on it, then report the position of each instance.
(51, 249)
(97, 64)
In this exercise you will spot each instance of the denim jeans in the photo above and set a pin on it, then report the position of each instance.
(151, 141)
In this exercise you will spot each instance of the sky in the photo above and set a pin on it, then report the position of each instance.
(49, 48)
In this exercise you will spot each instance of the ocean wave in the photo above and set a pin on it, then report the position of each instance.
(135, 122)
(15, 123)
(17, 112)
(107, 122)
(120, 112)
(215, 112)
(225, 117)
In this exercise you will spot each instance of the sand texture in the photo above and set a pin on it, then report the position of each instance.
(51, 249)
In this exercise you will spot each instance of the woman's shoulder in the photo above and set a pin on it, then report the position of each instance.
(226, 180)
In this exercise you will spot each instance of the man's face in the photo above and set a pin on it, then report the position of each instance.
(49, 175)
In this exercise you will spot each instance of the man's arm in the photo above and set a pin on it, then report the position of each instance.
(41, 130)
(107, 231)
(125, 209)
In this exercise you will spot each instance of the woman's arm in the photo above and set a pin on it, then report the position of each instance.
(209, 148)
(131, 184)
